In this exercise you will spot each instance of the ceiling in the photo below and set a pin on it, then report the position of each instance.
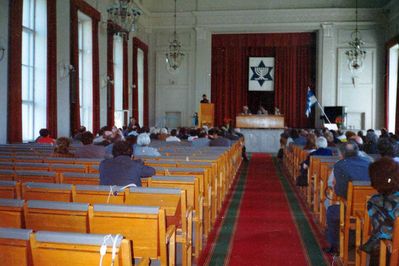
(223, 5)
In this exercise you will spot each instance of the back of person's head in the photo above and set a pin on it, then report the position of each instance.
(44, 132)
(371, 137)
(122, 148)
(360, 133)
(349, 134)
(164, 130)
(102, 130)
(143, 139)
(173, 132)
(62, 145)
(211, 132)
(384, 175)
(387, 147)
(193, 132)
(349, 149)
(202, 134)
(294, 133)
(87, 138)
(82, 129)
(358, 140)
(321, 142)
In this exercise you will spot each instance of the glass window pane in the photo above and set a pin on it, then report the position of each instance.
(25, 83)
(26, 13)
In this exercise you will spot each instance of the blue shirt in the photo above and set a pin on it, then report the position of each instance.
(122, 170)
(350, 169)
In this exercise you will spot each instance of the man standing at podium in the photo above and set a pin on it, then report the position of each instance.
(204, 99)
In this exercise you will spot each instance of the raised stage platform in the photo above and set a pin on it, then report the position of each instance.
(261, 132)
(262, 140)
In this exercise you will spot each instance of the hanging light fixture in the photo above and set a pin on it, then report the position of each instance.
(124, 14)
(356, 55)
(174, 56)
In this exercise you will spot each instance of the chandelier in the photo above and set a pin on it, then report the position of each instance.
(356, 54)
(174, 56)
(124, 15)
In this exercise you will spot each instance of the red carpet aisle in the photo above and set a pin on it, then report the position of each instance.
(265, 232)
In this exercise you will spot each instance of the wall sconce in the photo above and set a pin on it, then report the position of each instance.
(2, 53)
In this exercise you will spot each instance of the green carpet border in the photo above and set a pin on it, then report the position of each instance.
(311, 245)
(221, 249)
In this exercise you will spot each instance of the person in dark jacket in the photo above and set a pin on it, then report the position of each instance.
(121, 170)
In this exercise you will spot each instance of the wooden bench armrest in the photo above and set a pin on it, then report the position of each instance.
(171, 239)
(143, 262)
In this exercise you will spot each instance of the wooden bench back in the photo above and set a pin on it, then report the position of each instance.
(14, 246)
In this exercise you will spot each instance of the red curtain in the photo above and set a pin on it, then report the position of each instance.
(138, 44)
(110, 74)
(82, 6)
(294, 71)
(14, 127)
(52, 67)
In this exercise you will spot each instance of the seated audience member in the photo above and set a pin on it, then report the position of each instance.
(201, 141)
(163, 134)
(141, 148)
(352, 167)
(183, 134)
(173, 137)
(384, 133)
(193, 135)
(121, 170)
(218, 139)
(62, 146)
(322, 150)
(330, 138)
(361, 134)
(133, 125)
(383, 207)
(302, 137)
(101, 139)
(89, 150)
(44, 137)
(388, 147)
(310, 143)
(77, 137)
(370, 146)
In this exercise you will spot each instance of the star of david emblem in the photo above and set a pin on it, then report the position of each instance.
(261, 73)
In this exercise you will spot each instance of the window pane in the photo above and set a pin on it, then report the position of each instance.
(27, 117)
(25, 83)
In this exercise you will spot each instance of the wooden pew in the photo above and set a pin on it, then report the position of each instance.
(36, 176)
(318, 183)
(7, 175)
(7, 165)
(79, 178)
(47, 191)
(15, 247)
(56, 216)
(10, 190)
(31, 166)
(11, 213)
(55, 248)
(325, 171)
(357, 194)
(174, 201)
(98, 194)
(145, 226)
(194, 200)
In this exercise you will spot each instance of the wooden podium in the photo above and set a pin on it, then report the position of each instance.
(206, 115)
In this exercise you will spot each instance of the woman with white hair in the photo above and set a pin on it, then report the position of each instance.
(142, 149)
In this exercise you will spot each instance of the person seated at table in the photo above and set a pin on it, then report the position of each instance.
(245, 110)
(383, 208)
(121, 170)
(62, 146)
(141, 148)
(262, 110)
(44, 137)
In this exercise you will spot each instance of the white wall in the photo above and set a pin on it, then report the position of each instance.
(3, 70)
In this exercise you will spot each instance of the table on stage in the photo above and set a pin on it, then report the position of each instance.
(261, 132)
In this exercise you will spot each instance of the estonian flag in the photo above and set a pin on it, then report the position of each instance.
(310, 101)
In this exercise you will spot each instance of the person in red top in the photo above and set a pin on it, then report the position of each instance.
(45, 137)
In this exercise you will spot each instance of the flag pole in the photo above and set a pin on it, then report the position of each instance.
(322, 110)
